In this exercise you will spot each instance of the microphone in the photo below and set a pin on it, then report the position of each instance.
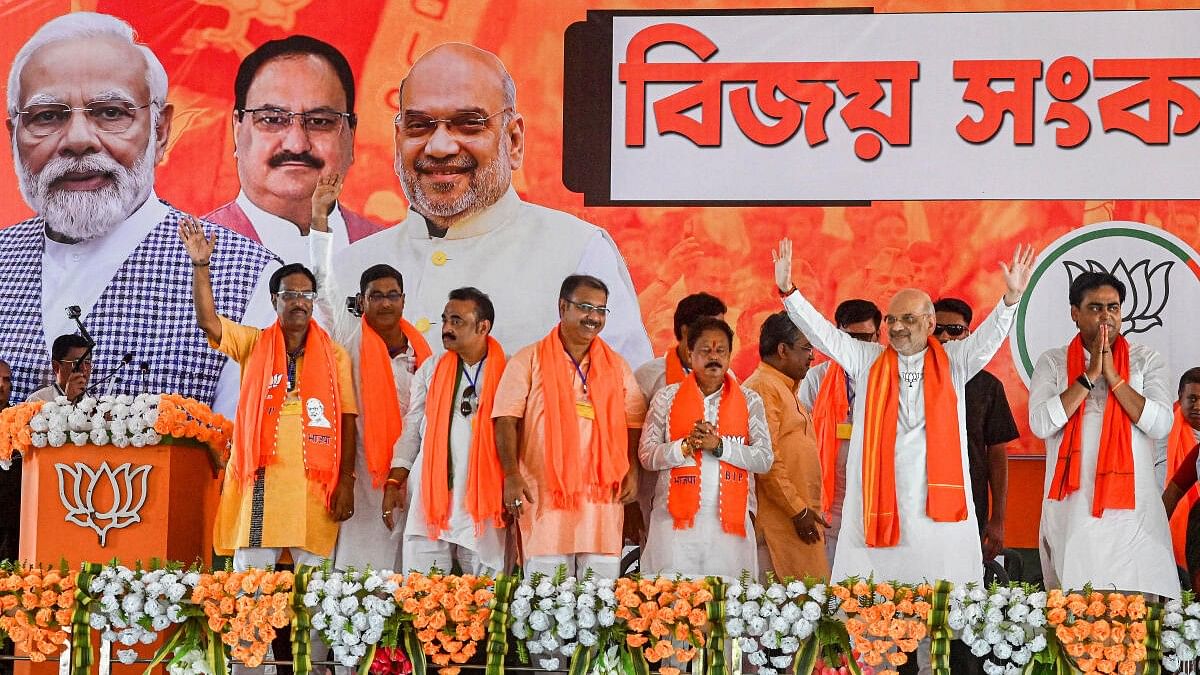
(144, 368)
(125, 360)
(73, 313)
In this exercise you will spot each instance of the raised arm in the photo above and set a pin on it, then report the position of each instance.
(972, 354)
(853, 355)
(200, 249)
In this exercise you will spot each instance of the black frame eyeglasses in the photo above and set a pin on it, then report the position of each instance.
(469, 401)
(951, 329)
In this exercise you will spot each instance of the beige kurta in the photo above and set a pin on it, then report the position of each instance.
(794, 481)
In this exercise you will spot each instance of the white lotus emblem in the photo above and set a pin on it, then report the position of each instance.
(78, 486)
(1146, 290)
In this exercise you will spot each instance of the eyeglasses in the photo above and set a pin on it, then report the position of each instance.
(298, 295)
(418, 125)
(82, 362)
(862, 337)
(906, 319)
(807, 348)
(47, 119)
(951, 329)
(274, 120)
(467, 405)
(588, 308)
(392, 296)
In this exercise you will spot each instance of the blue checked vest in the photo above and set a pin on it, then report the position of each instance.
(146, 310)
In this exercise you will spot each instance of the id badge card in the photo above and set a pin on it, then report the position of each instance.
(844, 430)
(585, 410)
(291, 406)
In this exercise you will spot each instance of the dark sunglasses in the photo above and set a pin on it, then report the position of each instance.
(951, 329)
(467, 405)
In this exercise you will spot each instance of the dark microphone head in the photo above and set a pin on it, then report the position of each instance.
(74, 312)
(128, 358)
(144, 366)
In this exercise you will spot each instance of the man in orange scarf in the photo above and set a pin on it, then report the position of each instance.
(907, 513)
(449, 447)
(385, 351)
(568, 415)
(789, 495)
(829, 393)
(1101, 403)
(671, 368)
(290, 478)
(706, 437)
(1182, 451)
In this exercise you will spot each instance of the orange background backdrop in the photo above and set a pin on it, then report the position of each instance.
(948, 248)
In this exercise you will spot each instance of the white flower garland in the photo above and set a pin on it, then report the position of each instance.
(1181, 633)
(134, 606)
(1005, 625)
(350, 609)
(772, 622)
(121, 421)
(553, 615)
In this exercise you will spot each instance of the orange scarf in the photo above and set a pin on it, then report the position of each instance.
(829, 409)
(578, 468)
(383, 421)
(261, 399)
(1114, 463)
(946, 498)
(1179, 445)
(675, 370)
(733, 419)
(485, 479)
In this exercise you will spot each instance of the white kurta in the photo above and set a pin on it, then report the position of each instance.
(516, 252)
(363, 538)
(810, 386)
(488, 545)
(64, 285)
(1125, 549)
(927, 549)
(704, 549)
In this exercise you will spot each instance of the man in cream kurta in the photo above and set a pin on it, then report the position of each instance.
(926, 549)
(458, 140)
(1124, 549)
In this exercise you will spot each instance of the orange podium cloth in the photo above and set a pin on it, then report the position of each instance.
(71, 510)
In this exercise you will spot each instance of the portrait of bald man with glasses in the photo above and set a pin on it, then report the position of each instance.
(89, 122)
(293, 124)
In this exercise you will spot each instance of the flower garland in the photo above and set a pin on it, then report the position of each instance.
(36, 608)
(772, 622)
(181, 418)
(245, 609)
(1002, 625)
(884, 621)
(1101, 633)
(554, 615)
(15, 434)
(1181, 632)
(134, 606)
(663, 618)
(448, 614)
(351, 609)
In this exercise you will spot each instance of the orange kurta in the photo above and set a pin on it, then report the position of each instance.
(294, 511)
(593, 527)
(794, 481)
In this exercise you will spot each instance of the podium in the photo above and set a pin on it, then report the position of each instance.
(95, 503)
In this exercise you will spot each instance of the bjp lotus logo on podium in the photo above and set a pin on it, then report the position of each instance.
(1161, 274)
(103, 498)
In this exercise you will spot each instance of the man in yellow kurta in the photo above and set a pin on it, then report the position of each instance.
(789, 495)
(290, 479)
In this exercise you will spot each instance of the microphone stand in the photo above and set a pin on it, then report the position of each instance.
(73, 313)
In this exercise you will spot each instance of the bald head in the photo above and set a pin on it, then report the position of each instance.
(910, 320)
(458, 62)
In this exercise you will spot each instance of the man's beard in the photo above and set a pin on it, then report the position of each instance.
(80, 215)
(487, 184)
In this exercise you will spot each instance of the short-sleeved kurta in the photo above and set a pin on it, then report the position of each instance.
(593, 527)
(281, 508)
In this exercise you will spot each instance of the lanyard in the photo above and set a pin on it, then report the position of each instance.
(472, 380)
(582, 377)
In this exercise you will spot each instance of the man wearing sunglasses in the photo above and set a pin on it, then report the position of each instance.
(990, 428)
(447, 455)
(71, 360)
(459, 138)
(89, 121)
(293, 123)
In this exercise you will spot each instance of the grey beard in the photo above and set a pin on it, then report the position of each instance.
(486, 186)
(81, 215)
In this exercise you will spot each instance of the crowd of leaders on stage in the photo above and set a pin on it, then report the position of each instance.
(473, 386)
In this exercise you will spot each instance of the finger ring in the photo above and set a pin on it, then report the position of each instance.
(516, 503)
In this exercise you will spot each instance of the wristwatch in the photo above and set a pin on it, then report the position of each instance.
(1083, 379)
(720, 449)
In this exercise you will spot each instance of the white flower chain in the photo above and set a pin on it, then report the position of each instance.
(121, 421)
(350, 609)
(133, 606)
(1004, 626)
(1181, 633)
(553, 618)
(771, 622)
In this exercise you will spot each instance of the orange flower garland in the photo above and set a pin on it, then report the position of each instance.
(885, 622)
(245, 608)
(449, 613)
(662, 614)
(15, 435)
(35, 609)
(1101, 633)
(182, 417)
